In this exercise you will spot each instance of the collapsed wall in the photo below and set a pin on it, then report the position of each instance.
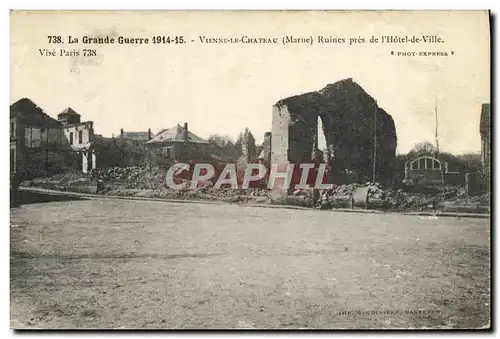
(347, 113)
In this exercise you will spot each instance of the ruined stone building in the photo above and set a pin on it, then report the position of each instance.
(80, 136)
(177, 144)
(265, 155)
(485, 131)
(350, 119)
(38, 145)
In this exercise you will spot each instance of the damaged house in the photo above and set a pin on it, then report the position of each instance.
(177, 144)
(80, 136)
(38, 145)
(135, 138)
(127, 149)
(354, 126)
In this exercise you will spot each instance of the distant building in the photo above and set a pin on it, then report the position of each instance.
(485, 131)
(177, 144)
(428, 170)
(37, 143)
(80, 136)
(136, 138)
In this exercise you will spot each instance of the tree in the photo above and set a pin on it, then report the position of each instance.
(250, 144)
(224, 147)
(239, 143)
(472, 161)
(220, 140)
(423, 148)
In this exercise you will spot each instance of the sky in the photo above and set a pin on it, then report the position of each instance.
(223, 88)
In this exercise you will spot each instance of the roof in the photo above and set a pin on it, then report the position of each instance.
(484, 125)
(28, 113)
(332, 94)
(176, 134)
(442, 157)
(69, 110)
(140, 136)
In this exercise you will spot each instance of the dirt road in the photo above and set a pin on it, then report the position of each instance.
(133, 264)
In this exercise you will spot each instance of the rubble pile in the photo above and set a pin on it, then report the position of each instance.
(381, 198)
(60, 181)
(340, 196)
(378, 198)
(151, 183)
(258, 192)
(398, 200)
(326, 200)
(138, 181)
(376, 192)
(130, 177)
(343, 190)
(453, 193)
(301, 197)
(475, 201)
(484, 199)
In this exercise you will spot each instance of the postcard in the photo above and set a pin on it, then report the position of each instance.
(250, 170)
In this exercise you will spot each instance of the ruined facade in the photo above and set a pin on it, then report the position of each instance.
(265, 154)
(350, 119)
(80, 136)
(485, 131)
(37, 143)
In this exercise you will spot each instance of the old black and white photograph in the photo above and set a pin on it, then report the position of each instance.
(250, 170)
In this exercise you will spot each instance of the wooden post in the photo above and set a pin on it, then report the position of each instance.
(466, 185)
(375, 145)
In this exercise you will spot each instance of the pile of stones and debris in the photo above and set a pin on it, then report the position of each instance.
(340, 196)
(60, 181)
(143, 182)
(133, 177)
(398, 200)
(301, 197)
(378, 197)
(479, 204)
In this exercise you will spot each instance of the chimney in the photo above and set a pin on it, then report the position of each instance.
(149, 133)
(186, 133)
(121, 133)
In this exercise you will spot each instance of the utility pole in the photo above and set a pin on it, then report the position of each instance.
(437, 145)
(374, 143)
(437, 123)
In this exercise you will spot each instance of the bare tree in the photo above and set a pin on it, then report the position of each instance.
(221, 140)
(225, 146)
(423, 148)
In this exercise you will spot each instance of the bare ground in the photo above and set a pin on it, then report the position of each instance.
(134, 264)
